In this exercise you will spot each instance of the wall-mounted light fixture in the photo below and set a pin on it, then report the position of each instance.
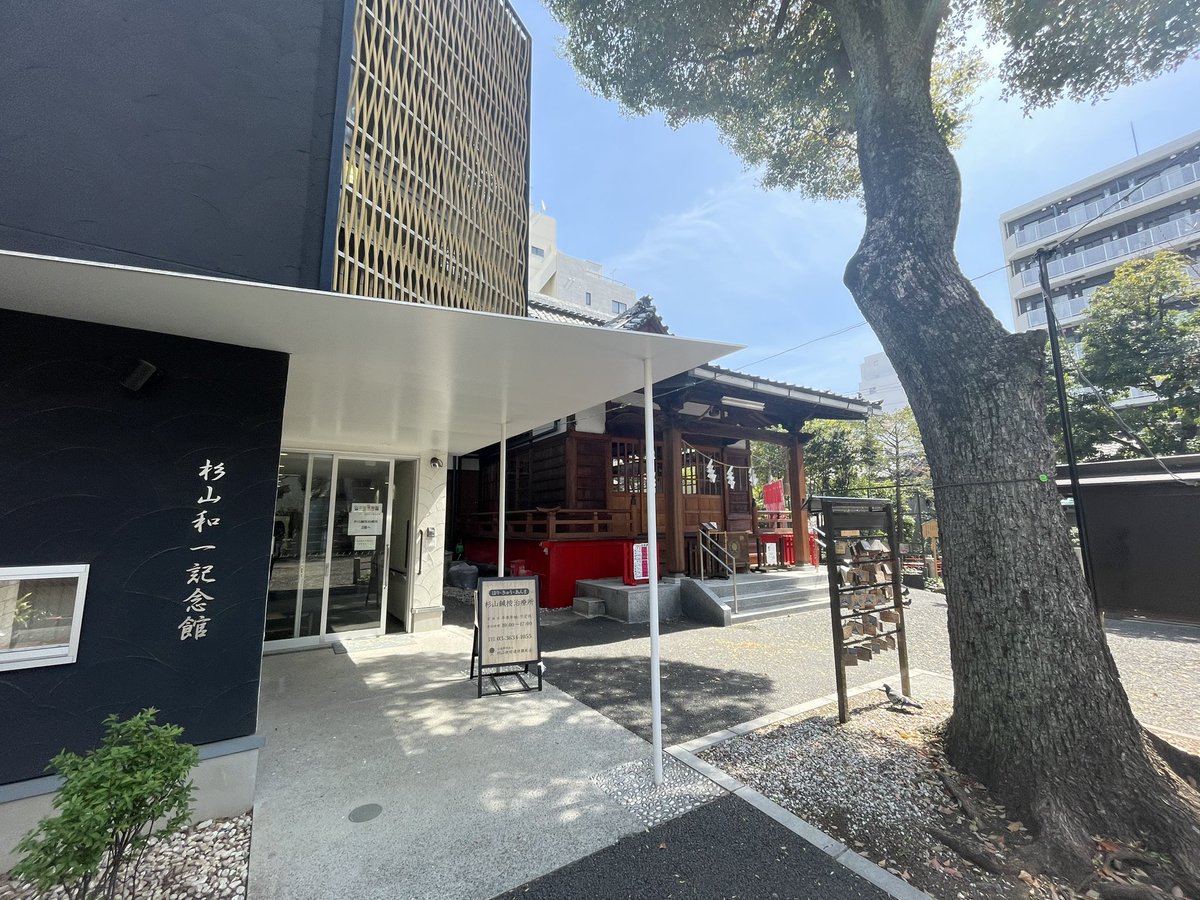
(436, 463)
(756, 405)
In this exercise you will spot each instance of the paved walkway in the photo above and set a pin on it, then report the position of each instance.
(725, 849)
(474, 796)
(384, 777)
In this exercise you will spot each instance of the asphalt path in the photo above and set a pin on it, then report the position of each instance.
(724, 849)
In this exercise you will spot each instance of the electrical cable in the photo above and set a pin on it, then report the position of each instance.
(1053, 247)
(1103, 212)
(823, 337)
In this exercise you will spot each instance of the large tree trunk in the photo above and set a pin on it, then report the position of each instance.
(1040, 715)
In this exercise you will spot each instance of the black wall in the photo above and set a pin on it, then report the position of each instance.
(93, 473)
(190, 135)
(1146, 547)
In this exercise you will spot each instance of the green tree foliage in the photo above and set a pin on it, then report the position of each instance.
(899, 470)
(1142, 337)
(881, 457)
(108, 806)
(838, 458)
(769, 463)
(774, 78)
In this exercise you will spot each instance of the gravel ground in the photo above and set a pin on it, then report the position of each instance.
(870, 784)
(632, 785)
(209, 860)
(725, 849)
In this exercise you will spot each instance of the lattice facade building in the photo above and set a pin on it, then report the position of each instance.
(372, 147)
(434, 178)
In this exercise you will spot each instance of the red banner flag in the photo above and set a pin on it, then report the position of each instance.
(773, 496)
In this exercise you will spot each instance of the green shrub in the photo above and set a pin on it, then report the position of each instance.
(108, 807)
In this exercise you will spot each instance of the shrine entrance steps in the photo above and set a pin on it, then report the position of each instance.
(760, 595)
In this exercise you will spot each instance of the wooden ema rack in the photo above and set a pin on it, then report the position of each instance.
(865, 598)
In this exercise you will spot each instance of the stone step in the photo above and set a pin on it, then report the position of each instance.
(774, 612)
(776, 598)
(588, 607)
(723, 587)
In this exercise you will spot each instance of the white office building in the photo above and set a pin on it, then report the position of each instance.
(578, 284)
(1146, 204)
(879, 383)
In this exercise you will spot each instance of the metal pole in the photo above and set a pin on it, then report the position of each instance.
(1043, 257)
(652, 552)
(503, 486)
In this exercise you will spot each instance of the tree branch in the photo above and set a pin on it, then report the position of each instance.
(780, 19)
(739, 53)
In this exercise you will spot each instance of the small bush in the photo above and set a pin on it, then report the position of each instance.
(108, 807)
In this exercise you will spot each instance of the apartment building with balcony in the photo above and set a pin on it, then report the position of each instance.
(1148, 203)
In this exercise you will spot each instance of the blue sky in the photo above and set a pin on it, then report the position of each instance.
(674, 214)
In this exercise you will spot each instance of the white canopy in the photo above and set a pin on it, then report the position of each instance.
(368, 374)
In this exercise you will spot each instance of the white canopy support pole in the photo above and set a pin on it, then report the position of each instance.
(652, 554)
(503, 489)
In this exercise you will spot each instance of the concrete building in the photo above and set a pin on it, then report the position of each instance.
(577, 283)
(1148, 203)
(263, 272)
(879, 383)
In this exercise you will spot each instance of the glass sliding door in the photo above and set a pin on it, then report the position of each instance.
(329, 547)
(287, 542)
(358, 561)
(316, 547)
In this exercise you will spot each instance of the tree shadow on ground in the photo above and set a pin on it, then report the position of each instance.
(696, 699)
(1153, 630)
(567, 630)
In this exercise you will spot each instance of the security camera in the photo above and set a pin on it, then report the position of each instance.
(436, 463)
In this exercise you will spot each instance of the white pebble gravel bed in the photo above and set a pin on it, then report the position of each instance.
(876, 789)
(632, 785)
(208, 861)
(868, 783)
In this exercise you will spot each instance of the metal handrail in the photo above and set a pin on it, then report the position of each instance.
(819, 534)
(710, 546)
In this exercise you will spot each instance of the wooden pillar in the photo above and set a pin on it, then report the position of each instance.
(799, 491)
(673, 494)
(570, 496)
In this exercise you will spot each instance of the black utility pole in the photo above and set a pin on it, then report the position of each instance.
(1043, 257)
